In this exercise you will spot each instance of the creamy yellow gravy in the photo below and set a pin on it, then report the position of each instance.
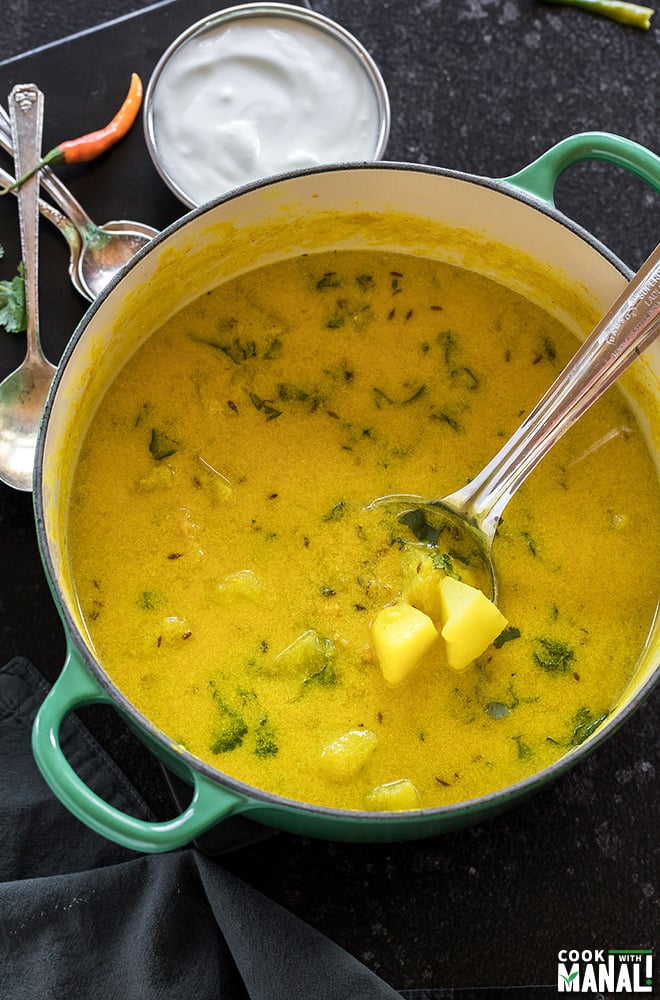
(228, 573)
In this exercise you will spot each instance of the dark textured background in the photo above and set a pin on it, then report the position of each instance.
(477, 85)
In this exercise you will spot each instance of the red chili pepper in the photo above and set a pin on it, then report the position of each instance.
(88, 147)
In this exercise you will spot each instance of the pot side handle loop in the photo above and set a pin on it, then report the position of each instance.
(540, 177)
(76, 687)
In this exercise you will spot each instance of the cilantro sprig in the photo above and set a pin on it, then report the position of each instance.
(12, 301)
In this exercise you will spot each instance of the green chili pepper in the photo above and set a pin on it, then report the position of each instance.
(618, 10)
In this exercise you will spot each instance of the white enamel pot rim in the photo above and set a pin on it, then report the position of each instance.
(83, 680)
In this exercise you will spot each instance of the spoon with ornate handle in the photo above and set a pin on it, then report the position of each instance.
(23, 393)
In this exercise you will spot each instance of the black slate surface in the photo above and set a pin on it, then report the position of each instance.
(477, 85)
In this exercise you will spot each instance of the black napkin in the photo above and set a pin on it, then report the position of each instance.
(81, 917)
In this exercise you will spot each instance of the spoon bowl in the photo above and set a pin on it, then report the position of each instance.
(23, 393)
(104, 249)
(22, 397)
(464, 523)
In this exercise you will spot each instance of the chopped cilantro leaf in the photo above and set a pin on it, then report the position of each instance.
(162, 445)
(554, 656)
(12, 303)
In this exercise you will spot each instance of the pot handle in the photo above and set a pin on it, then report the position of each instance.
(540, 177)
(76, 687)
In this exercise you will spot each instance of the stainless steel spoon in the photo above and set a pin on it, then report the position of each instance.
(23, 393)
(471, 515)
(105, 249)
(67, 229)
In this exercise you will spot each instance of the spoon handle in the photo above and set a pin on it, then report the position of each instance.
(67, 229)
(631, 324)
(50, 182)
(26, 105)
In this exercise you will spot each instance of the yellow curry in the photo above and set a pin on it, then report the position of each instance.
(232, 582)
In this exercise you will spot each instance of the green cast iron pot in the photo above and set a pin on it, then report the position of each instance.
(464, 217)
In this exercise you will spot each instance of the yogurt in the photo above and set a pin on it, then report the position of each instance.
(263, 93)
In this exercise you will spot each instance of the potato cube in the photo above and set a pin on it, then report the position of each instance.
(345, 757)
(422, 585)
(401, 635)
(157, 479)
(172, 631)
(471, 622)
(395, 796)
(241, 586)
(305, 656)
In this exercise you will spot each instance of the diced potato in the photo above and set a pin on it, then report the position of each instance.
(395, 796)
(220, 488)
(305, 656)
(172, 631)
(345, 757)
(159, 478)
(241, 586)
(401, 635)
(471, 622)
(422, 585)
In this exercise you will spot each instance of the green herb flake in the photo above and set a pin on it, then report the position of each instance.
(265, 741)
(549, 349)
(584, 724)
(416, 521)
(288, 392)
(449, 344)
(506, 635)
(445, 418)
(335, 322)
(339, 510)
(524, 750)
(265, 405)
(497, 710)
(327, 675)
(417, 394)
(150, 600)
(12, 302)
(364, 281)
(444, 562)
(531, 544)
(329, 280)
(380, 397)
(553, 656)
(238, 350)
(162, 445)
(464, 377)
(142, 415)
(274, 350)
(231, 728)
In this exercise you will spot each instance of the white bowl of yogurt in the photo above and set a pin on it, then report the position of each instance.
(258, 90)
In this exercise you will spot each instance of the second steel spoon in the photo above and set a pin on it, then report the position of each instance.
(104, 249)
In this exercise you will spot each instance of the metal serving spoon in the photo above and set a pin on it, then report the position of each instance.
(67, 229)
(23, 393)
(105, 249)
(471, 515)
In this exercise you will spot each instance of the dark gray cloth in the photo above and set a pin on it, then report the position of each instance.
(81, 917)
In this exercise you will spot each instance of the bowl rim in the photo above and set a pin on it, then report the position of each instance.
(496, 800)
(255, 11)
